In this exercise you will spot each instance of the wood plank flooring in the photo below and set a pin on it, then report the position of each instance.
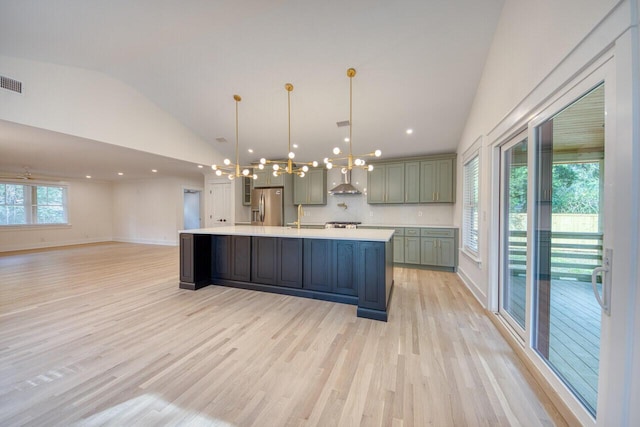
(102, 335)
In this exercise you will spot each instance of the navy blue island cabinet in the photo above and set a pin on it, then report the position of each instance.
(357, 272)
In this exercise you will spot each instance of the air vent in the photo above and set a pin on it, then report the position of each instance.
(343, 123)
(221, 139)
(10, 84)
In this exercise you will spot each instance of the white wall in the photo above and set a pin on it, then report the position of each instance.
(150, 211)
(91, 105)
(89, 213)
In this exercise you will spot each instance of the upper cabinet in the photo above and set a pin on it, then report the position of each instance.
(415, 180)
(266, 179)
(437, 181)
(247, 186)
(386, 183)
(310, 189)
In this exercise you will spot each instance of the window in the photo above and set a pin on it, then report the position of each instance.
(470, 217)
(25, 204)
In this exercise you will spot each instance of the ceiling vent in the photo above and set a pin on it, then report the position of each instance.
(343, 123)
(221, 139)
(10, 84)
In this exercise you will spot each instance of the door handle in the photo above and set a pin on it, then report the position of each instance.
(604, 269)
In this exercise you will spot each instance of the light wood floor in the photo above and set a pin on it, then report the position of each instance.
(102, 335)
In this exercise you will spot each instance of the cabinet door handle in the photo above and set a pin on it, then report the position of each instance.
(437, 196)
(433, 196)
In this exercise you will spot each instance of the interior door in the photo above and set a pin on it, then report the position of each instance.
(513, 292)
(219, 214)
(569, 237)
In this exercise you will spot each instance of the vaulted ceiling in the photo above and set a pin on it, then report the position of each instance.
(418, 65)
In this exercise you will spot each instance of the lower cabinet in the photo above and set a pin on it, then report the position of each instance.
(277, 261)
(329, 266)
(370, 275)
(438, 247)
(231, 258)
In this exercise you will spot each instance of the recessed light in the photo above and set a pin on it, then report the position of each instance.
(200, 166)
(346, 140)
(88, 176)
(154, 170)
(250, 150)
(295, 145)
(120, 173)
(409, 131)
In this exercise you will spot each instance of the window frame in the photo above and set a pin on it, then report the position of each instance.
(31, 205)
(472, 154)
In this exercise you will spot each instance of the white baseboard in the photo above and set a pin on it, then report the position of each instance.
(146, 241)
(475, 290)
(44, 245)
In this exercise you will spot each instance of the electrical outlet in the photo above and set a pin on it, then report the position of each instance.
(370, 213)
(419, 213)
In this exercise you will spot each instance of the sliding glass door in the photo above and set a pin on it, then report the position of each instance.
(568, 238)
(513, 232)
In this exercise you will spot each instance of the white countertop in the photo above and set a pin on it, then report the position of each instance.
(374, 235)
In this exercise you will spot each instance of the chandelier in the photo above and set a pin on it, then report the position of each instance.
(352, 162)
(234, 170)
(287, 166)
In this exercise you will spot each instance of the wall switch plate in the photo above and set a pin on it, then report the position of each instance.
(419, 213)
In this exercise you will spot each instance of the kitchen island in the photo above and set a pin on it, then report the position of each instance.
(346, 266)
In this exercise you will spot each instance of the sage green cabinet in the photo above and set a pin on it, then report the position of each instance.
(412, 246)
(247, 186)
(438, 247)
(412, 182)
(265, 178)
(386, 183)
(310, 189)
(437, 181)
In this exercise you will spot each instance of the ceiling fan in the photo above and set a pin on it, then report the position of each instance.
(26, 175)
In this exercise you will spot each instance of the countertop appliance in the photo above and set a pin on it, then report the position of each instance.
(341, 224)
(267, 206)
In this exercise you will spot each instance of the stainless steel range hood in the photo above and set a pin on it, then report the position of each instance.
(345, 187)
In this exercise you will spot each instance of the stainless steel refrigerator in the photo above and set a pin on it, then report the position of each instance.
(267, 206)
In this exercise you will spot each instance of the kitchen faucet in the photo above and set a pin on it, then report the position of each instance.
(300, 213)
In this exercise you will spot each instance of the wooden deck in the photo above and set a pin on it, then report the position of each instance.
(102, 335)
(574, 345)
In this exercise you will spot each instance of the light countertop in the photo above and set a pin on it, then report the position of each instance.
(374, 235)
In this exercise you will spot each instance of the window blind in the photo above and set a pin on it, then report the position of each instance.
(470, 217)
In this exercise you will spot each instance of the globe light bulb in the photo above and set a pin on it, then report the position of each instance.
(305, 168)
(260, 166)
(358, 162)
(255, 176)
(343, 170)
(326, 160)
(245, 172)
(231, 177)
(275, 173)
(377, 153)
(314, 164)
(329, 165)
(292, 155)
(276, 167)
(227, 162)
(336, 150)
(263, 161)
(370, 168)
(301, 174)
(214, 167)
(219, 172)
